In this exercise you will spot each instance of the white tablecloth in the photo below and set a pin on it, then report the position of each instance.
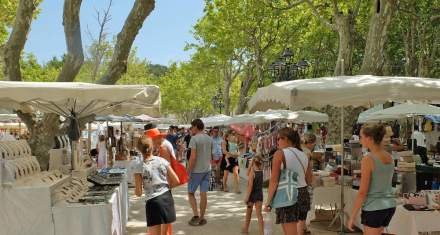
(78, 219)
(407, 222)
(83, 219)
(25, 211)
(327, 197)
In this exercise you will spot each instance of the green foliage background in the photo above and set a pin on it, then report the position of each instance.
(234, 34)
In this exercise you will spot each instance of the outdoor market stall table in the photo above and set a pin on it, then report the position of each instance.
(26, 209)
(102, 218)
(406, 222)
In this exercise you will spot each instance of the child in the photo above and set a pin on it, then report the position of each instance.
(254, 195)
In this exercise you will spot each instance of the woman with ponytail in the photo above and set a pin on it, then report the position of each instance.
(156, 178)
(375, 196)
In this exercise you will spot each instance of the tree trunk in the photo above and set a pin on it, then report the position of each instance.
(41, 135)
(259, 66)
(345, 27)
(410, 51)
(244, 90)
(428, 52)
(334, 125)
(377, 36)
(227, 92)
(17, 39)
(72, 29)
(125, 39)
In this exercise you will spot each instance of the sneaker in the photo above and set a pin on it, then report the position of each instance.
(202, 222)
(195, 221)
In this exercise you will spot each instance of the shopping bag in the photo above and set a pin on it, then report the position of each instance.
(180, 171)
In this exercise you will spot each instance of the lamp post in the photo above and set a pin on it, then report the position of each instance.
(284, 69)
(217, 101)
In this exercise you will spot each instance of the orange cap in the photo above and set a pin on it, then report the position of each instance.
(154, 133)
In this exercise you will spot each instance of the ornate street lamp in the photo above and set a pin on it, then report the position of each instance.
(217, 101)
(284, 69)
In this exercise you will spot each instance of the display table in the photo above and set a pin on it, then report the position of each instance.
(25, 207)
(329, 197)
(404, 222)
(103, 218)
(407, 222)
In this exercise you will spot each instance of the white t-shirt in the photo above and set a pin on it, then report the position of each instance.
(167, 144)
(420, 138)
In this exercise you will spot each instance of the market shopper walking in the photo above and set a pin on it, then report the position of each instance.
(156, 178)
(254, 195)
(163, 148)
(229, 162)
(290, 156)
(200, 170)
(375, 196)
(217, 152)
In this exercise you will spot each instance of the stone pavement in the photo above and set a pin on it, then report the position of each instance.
(225, 215)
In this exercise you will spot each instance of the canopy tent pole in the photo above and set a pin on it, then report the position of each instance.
(412, 134)
(342, 172)
(89, 137)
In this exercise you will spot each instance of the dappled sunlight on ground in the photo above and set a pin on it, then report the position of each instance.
(225, 215)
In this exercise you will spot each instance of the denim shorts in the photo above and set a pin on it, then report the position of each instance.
(199, 179)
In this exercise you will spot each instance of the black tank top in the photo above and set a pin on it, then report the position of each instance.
(258, 181)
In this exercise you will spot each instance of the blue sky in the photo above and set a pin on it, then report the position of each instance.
(161, 39)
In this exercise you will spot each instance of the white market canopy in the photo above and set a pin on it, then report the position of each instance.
(365, 114)
(403, 111)
(302, 116)
(82, 98)
(217, 120)
(279, 115)
(345, 91)
(247, 118)
(9, 118)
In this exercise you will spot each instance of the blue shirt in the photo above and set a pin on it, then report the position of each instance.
(217, 147)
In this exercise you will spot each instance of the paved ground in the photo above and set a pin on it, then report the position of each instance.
(225, 215)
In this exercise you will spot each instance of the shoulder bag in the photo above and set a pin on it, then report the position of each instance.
(287, 190)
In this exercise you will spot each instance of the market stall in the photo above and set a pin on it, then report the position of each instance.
(341, 92)
(265, 140)
(56, 199)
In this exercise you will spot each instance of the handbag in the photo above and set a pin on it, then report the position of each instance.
(180, 171)
(286, 193)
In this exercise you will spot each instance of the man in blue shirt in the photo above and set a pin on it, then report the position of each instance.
(172, 137)
(217, 152)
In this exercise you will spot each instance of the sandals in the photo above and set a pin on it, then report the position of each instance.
(195, 221)
(202, 222)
